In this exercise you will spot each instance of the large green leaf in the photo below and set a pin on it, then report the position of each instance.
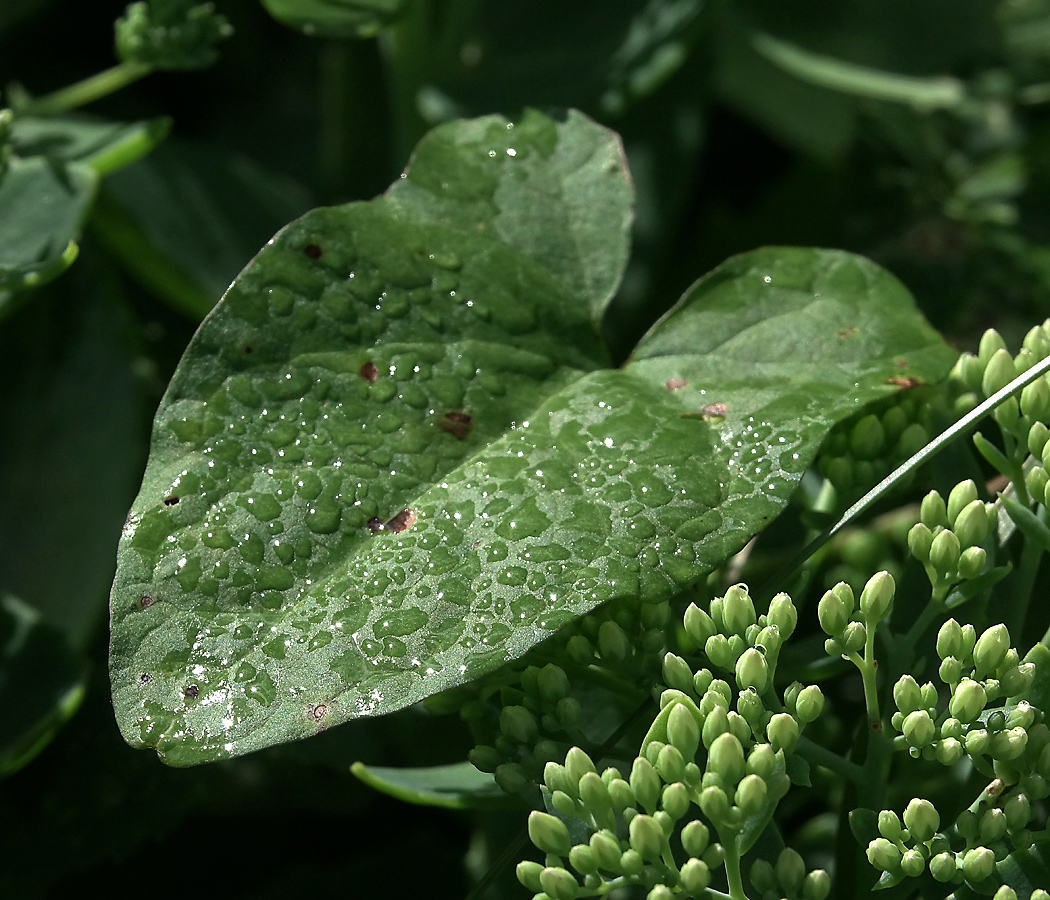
(335, 18)
(429, 360)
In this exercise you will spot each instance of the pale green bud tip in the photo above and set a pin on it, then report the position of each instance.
(922, 819)
(968, 700)
(726, 757)
(738, 610)
(695, 838)
(810, 704)
(920, 541)
(698, 624)
(607, 850)
(631, 862)
(612, 642)
(999, 372)
(517, 723)
(971, 524)
(783, 615)
(1005, 892)
(817, 885)
(1039, 894)
(978, 864)
(763, 877)
(179, 34)
(752, 670)
(578, 764)
(645, 783)
(553, 683)
(906, 694)
(751, 794)
(670, 764)
(961, 496)
(647, 837)
(918, 728)
(944, 553)
(782, 732)
(991, 343)
(942, 867)
(990, 650)
(695, 876)
(912, 863)
(832, 614)
(933, 512)
(683, 731)
(549, 833)
(883, 855)
(676, 673)
(559, 884)
(660, 892)
(790, 870)
(528, 873)
(877, 596)
(889, 825)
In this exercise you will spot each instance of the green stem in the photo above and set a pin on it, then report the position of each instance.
(732, 867)
(1024, 581)
(87, 91)
(405, 50)
(828, 759)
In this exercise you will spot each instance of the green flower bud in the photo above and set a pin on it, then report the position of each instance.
(552, 682)
(660, 892)
(485, 758)
(750, 706)
(580, 650)
(631, 862)
(906, 694)
(971, 523)
(1018, 811)
(918, 728)
(977, 742)
(557, 778)
(933, 512)
(949, 751)
(929, 696)
(913, 439)
(817, 885)
(655, 615)
(992, 826)
(750, 794)
(739, 727)
(715, 804)
(1017, 680)
(961, 496)
(912, 863)
(978, 864)
(1008, 744)
(942, 867)
(518, 724)
(621, 795)
(568, 711)
(677, 674)
(698, 624)
(716, 723)
(528, 873)
(676, 800)
(853, 637)
(647, 837)
(669, 764)
(613, 644)
(1036, 481)
(921, 819)
(717, 650)
(971, 562)
(920, 540)
(950, 670)
(968, 700)
(559, 883)
(683, 731)
(578, 764)
(511, 777)
(890, 825)
(1038, 435)
(991, 343)
(1035, 400)
(998, 373)
(944, 554)
(695, 876)
(990, 650)
(763, 877)
(549, 833)
(583, 859)
(782, 732)
(1005, 892)
(752, 670)
(702, 681)
(949, 639)
(726, 757)
(969, 370)
(170, 36)
(645, 783)
(607, 850)
(839, 471)
(790, 870)
(563, 803)
(832, 614)
(761, 761)
(1021, 716)
(810, 704)
(1039, 894)
(868, 438)
(783, 615)
(738, 610)
(883, 855)
(595, 795)
(695, 838)
(969, 640)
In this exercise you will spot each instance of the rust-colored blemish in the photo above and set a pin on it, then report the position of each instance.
(171, 501)
(313, 251)
(146, 601)
(714, 411)
(402, 521)
(369, 371)
(847, 332)
(905, 384)
(674, 384)
(191, 692)
(318, 712)
(458, 424)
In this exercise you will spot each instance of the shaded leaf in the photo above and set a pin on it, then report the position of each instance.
(1026, 870)
(43, 203)
(41, 683)
(390, 460)
(336, 18)
(104, 146)
(455, 786)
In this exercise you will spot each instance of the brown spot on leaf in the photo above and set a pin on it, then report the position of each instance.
(847, 332)
(905, 384)
(318, 712)
(402, 521)
(457, 424)
(674, 384)
(375, 525)
(313, 251)
(369, 371)
(146, 601)
(714, 412)
(171, 501)
(191, 692)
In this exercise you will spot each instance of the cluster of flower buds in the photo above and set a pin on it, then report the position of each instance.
(994, 367)
(788, 879)
(982, 673)
(169, 35)
(859, 452)
(1008, 893)
(947, 538)
(525, 715)
(849, 623)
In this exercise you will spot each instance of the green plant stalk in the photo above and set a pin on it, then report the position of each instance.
(405, 47)
(817, 755)
(732, 867)
(1024, 582)
(86, 91)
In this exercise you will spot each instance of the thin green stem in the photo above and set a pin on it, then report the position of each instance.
(828, 759)
(732, 867)
(1024, 581)
(406, 52)
(87, 91)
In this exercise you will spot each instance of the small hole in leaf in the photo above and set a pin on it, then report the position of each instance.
(146, 601)
(171, 501)
(313, 251)
(369, 371)
(402, 521)
(318, 712)
(674, 384)
(247, 348)
(191, 692)
(145, 678)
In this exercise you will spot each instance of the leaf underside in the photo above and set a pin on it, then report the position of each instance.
(429, 362)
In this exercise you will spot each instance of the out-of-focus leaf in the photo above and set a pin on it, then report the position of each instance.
(336, 18)
(455, 786)
(185, 220)
(104, 146)
(1026, 870)
(41, 683)
(391, 459)
(74, 440)
(43, 203)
